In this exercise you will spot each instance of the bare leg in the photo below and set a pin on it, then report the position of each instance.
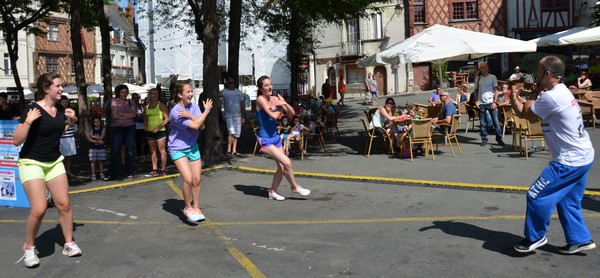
(284, 167)
(161, 144)
(36, 193)
(183, 166)
(152, 145)
(101, 166)
(233, 144)
(196, 167)
(59, 187)
(93, 166)
(230, 143)
(67, 162)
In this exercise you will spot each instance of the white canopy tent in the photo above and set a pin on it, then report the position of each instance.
(92, 90)
(573, 36)
(439, 44)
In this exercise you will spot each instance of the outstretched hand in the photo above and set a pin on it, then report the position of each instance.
(208, 103)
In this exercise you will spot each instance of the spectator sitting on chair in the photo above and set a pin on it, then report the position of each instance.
(384, 119)
(447, 110)
(517, 75)
(434, 99)
(463, 93)
(583, 81)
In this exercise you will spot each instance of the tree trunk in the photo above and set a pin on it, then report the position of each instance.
(235, 17)
(12, 43)
(105, 68)
(76, 45)
(106, 64)
(211, 145)
(294, 47)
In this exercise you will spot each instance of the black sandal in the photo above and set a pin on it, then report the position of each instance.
(107, 178)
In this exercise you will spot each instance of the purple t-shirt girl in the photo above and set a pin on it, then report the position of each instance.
(180, 136)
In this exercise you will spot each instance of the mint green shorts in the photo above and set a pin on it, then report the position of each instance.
(30, 169)
(192, 153)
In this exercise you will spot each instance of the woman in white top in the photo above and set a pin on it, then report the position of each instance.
(583, 81)
(384, 118)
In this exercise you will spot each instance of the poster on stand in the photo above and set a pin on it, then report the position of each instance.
(12, 193)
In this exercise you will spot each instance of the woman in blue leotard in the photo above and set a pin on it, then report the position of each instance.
(269, 109)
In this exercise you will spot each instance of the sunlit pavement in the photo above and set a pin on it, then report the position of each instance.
(366, 217)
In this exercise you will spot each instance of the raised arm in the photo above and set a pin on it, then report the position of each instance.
(197, 123)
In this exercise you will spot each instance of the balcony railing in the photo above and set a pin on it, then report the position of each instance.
(351, 48)
(121, 72)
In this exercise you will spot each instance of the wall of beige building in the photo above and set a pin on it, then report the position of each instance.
(380, 30)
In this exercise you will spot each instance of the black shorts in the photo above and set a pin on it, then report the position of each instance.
(159, 135)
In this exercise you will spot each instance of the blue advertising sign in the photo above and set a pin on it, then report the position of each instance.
(12, 193)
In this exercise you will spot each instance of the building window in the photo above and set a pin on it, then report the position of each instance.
(7, 66)
(553, 5)
(73, 70)
(52, 63)
(377, 31)
(355, 75)
(353, 28)
(117, 35)
(419, 11)
(52, 32)
(464, 10)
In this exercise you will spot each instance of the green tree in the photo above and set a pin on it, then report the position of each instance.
(203, 16)
(20, 15)
(296, 19)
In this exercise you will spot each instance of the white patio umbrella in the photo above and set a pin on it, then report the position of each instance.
(95, 88)
(573, 36)
(135, 88)
(373, 60)
(92, 90)
(71, 89)
(439, 44)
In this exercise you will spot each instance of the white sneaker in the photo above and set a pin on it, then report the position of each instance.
(274, 196)
(30, 257)
(193, 215)
(301, 190)
(71, 249)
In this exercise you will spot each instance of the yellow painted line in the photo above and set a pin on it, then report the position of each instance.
(385, 220)
(135, 182)
(175, 188)
(333, 176)
(402, 180)
(246, 263)
(97, 222)
(211, 224)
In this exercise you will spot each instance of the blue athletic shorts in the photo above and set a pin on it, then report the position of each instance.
(192, 153)
(268, 141)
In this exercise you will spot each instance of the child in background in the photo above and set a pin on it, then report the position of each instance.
(97, 151)
(284, 128)
(296, 134)
(316, 120)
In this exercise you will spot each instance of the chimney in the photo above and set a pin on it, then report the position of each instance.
(130, 10)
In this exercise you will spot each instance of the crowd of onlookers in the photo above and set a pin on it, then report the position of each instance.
(311, 117)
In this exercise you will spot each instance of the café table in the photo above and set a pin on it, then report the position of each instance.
(578, 93)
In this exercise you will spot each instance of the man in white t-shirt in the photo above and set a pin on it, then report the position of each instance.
(235, 114)
(486, 86)
(562, 183)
